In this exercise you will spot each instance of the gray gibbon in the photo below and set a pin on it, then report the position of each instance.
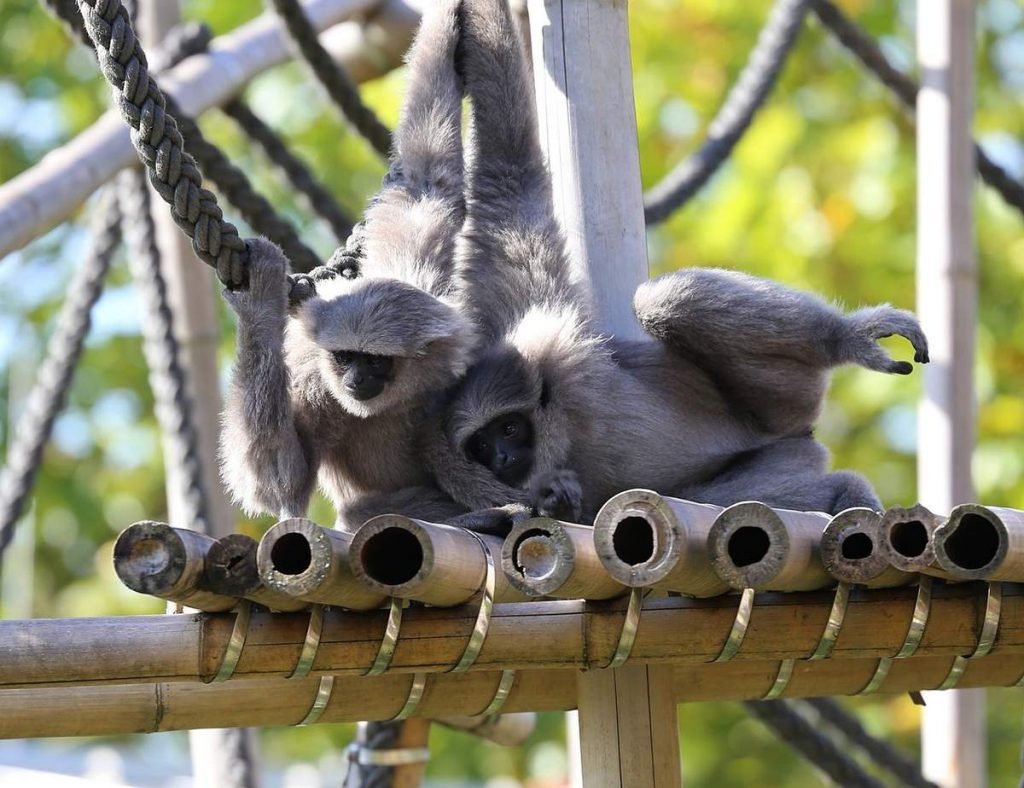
(335, 390)
(717, 403)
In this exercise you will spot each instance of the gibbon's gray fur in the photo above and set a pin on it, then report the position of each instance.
(717, 404)
(335, 391)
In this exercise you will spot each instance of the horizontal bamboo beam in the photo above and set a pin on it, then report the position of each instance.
(851, 551)
(522, 636)
(147, 708)
(47, 193)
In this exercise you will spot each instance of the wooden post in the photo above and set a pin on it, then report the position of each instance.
(953, 729)
(583, 78)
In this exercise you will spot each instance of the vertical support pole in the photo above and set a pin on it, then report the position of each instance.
(953, 726)
(582, 73)
(221, 758)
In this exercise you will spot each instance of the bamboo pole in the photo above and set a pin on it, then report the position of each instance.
(524, 636)
(645, 540)
(49, 192)
(908, 539)
(981, 543)
(754, 546)
(545, 557)
(850, 550)
(231, 571)
(300, 559)
(427, 562)
(146, 708)
(508, 730)
(156, 559)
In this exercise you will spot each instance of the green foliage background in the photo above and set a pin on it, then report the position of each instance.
(820, 195)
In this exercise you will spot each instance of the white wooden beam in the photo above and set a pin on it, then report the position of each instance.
(953, 723)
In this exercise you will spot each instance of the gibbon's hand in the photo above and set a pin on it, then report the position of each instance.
(867, 326)
(559, 495)
(266, 297)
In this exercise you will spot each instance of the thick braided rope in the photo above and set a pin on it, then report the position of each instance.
(880, 752)
(155, 135)
(861, 46)
(64, 349)
(748, 94)
(793, 729)
(373, 736)
(336, 82)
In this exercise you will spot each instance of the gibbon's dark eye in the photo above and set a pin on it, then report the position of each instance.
(344, 358)
(509, 428)
(375, 362)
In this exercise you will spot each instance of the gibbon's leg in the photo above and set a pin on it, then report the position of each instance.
(265, 462)
(769, 348)
(497, 520)
(788, 474)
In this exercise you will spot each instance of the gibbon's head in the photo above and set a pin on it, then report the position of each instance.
(383, 343)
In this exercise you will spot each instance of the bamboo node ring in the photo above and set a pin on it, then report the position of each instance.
(781, 679)
(311, 644)
(323, 697)
(918, 621)
(483, 616)
(739, 627)
(233, 650)
(419, 683)
(387, 645)
(986, 639)
(835, 622)
(505, 684)
(630, 625)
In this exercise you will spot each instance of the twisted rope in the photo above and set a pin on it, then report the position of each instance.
(792, 728)
(861, 46)
(64, 349)
(156, 137)
(880, 752)
(336, 82)
(748, 94)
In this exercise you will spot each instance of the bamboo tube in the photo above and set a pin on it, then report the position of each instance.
(645, 540)
(146, 708)
(231, 571)
(850, 550)
(508, 730)
(908, 539)
(156, 559)
(526, 636)
(754, 546)
(436, 564)
(300, 559)
(545, 557)
(981, 543)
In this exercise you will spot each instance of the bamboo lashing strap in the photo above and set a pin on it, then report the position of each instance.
(986, 639)
(310, 646)
(825, 645)
(504, 689)
(233, 649)
(406, 756)
(483, 616)
(387, 645)
(630, 625)
(739, 627)
(922, 609)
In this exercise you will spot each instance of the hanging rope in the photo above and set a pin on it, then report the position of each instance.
(372, 736)
(25, 450)
(336, 82)
(880, 752)
(793, 729)
(748, 94)
(858, 43)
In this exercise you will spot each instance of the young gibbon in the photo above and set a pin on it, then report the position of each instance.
(335, 391)
(717, 404)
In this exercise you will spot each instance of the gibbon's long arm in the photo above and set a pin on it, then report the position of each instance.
(265, 462)
(769, 348)
(513, 256)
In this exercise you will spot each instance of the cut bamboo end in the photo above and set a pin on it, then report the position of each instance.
(907, 538)
(508, 730)
(851, 551)
(981, 543)
(300, 559)
(154, 558)
(231, 570)
(545, 557)
(754, 546)
(645, 540)
(436, 564)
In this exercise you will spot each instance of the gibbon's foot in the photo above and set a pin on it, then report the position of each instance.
(870, 325)
(267, 293)
(498, 520)
(558, 495)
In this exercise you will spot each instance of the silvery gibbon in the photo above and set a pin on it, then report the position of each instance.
(334, 391)
(717, 403)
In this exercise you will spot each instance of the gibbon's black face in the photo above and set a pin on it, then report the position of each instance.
(505, 446)
(363, 375)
